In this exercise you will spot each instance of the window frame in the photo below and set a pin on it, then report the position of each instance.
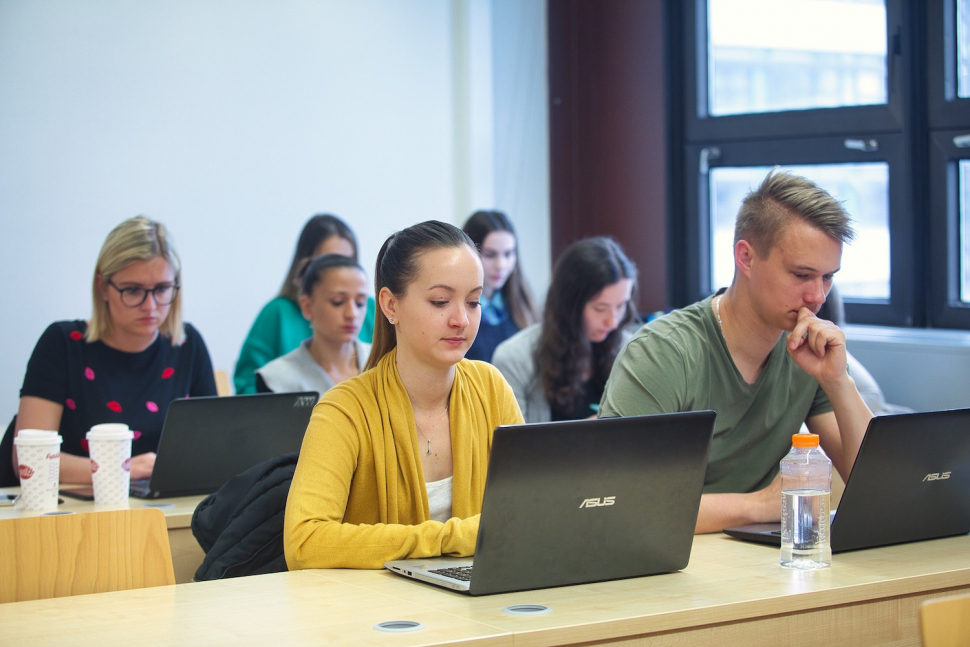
(813, 136)
(791, 123)
(947, 116)
(944, 109)
(819, 150)
(948, 311)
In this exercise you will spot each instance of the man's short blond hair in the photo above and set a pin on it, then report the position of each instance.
(136, 239)
(782, 196)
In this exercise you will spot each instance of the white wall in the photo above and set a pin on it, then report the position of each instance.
(232, 122)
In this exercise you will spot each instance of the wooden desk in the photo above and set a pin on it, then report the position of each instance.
(731, 592)
(187, 555)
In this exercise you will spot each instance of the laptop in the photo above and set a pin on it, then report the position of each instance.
(910, 482)
(207, 440)
(582, 501)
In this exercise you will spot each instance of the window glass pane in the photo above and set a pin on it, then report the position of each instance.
(963, 48)
(768, 55)
(965, 230)
(864, 192)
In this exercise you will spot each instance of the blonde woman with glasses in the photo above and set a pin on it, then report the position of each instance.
(127, 363)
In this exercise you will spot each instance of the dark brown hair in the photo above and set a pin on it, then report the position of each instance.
(313, 270)
(516, 293)
(317, 229)
(564, 352)
(397, 267)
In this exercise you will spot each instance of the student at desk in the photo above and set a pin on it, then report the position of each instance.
(333, 298)
(127, 363)
(507, 303)
(394, 460)
(280, 326)
(731, 353)
(558, 368)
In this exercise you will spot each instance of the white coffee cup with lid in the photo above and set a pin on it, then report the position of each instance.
(109, 446)
(39, 464)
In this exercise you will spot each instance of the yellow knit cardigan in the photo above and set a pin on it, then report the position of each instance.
(358, 496)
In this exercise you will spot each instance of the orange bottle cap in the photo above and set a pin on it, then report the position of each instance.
(805, 440)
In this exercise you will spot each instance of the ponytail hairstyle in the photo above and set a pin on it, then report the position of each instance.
(316, 230)
(515, 293)
(397, 267)
(564, 353)
(313, 270)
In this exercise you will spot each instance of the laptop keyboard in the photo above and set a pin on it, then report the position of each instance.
(462, 573)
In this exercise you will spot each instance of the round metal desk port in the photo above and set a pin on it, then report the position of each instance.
(399, 626)
(527, 610)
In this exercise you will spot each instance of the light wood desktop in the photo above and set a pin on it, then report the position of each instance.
(731, 592)
(187, 555)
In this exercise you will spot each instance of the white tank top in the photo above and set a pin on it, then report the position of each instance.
(439, 499)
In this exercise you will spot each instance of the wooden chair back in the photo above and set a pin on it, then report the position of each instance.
(945, 622)
(222, 383)
(71, 554)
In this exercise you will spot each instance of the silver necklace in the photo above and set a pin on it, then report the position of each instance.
(717, 310)
(426, 436)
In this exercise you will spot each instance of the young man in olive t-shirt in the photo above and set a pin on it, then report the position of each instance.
(731, 353)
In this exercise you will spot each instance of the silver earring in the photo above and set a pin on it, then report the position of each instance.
(391, 321)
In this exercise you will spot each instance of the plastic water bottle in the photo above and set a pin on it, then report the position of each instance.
(806, 486)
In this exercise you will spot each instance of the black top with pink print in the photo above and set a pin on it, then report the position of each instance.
(97, 383)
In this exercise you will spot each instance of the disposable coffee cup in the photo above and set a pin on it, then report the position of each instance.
(39, 464)
(109, 446)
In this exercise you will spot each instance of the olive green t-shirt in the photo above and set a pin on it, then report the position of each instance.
(680, 362)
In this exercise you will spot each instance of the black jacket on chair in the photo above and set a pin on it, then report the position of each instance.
(240, 527)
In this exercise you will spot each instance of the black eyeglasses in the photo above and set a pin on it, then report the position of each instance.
(133, 297)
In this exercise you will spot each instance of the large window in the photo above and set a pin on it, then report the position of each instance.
(868, 98)
(767, 55)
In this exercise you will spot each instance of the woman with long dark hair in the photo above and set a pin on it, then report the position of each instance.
(280, 326)
(558, 369)
(507, 303)
(394, 460)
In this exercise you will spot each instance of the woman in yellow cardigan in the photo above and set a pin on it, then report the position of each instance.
(394, 460)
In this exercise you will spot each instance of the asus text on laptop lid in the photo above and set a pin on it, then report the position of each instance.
(910, 482)
(207, 440)
(584, 501)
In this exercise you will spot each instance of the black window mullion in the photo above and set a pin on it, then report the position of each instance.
(947, 311)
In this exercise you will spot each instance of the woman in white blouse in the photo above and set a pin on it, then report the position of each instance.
(333, 298)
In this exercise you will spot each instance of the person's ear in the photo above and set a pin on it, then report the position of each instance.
(304, 301)
(102, 286)
(389, 304)
(744, 256)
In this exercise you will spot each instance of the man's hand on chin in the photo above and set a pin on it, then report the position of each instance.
(818, 347)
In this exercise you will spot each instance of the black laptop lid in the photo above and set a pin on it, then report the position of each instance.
(590, 500)
(911, 481)
(208, 440)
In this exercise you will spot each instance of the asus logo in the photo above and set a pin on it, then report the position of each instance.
(938, 476)
(596, 503)
(305, 401)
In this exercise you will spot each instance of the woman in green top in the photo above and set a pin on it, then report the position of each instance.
(280, 326)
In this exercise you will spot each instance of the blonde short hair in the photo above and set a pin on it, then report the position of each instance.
(136, 239)
(782, 197)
